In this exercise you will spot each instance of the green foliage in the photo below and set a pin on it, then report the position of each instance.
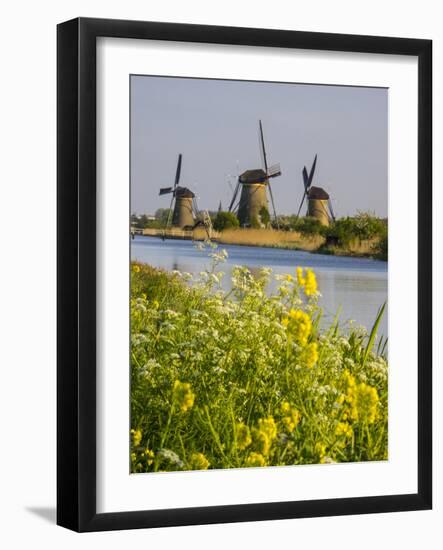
(225, 220)
(145, 222)
(264, 216)
(305, 225)
(246, 377)
(255, 222)
(364, 226)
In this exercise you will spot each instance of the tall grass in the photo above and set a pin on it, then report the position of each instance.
(246, 377)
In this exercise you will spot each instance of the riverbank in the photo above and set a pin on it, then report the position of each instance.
(247, 378)
(271, 238)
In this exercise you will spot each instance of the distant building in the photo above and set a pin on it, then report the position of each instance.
(318, 204)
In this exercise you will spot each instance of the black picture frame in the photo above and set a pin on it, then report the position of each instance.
(76, 279)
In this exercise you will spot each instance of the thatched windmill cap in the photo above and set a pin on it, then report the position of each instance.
(317, 193)
(184, 192)
(253, 176)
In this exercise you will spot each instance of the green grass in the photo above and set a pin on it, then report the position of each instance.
(229, 379)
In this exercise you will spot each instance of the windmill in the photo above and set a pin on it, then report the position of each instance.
(253, 185)
(319, 201)
(185, 206)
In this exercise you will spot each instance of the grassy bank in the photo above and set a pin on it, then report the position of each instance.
(246, 378)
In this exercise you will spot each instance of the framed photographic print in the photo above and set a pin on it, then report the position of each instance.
(244, 274)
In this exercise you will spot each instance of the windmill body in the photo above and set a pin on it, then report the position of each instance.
(253, 186)
(183, 214)
(319, 202)
(183, 199)
(253, 197)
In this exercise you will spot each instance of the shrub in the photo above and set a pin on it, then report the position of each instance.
(225, 220)
(265, 218)
(364, 226)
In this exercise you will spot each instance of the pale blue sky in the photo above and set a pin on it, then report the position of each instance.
(214, 124)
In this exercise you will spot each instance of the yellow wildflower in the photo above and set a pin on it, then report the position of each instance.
(310, 283)
(243, 435)
(289, 278)
(364, 403)
(307, 282)
(320, 449)
(291, 416)
(155, 304)
(300, 279)
(136, 269)
(143, 296)
(264, 435)
(198, 461)
(299, 325)
(268, 426)
(285, 322)
(343, 428)
(149, 456)
(262, 442)
(310, 354)
(255, 460)
(136, 437)
(285, 407)
(362, 399)
(183, 395)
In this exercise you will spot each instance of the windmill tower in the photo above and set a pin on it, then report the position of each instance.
(319, 202)
(185, 210)
(253, 185)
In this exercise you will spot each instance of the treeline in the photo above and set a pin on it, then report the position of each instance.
(343, 232)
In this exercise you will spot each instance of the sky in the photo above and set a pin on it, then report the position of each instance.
(214, 124)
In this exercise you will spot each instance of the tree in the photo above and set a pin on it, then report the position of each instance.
(162, 214)
(225, 220)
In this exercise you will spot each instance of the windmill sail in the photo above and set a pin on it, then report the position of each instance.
(275, 170)
(307, 182)
(262, 148)
(234, 196)
(178, 171)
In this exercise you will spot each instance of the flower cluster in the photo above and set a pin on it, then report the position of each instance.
(291, 416)
(363, 400)
(183, 395)
(136, 437)
(307, 281)
(344, 428)
(310, 354)
(255, 460)
(198, 461)
(243, 434)
(299, 325)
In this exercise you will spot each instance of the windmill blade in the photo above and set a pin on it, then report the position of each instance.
(165, 190)
(168, 219)
(177, 173)
(305, 192)
(274, 170)
(263, 150)
(311, 174)
(301, 205)
(305, 178)
(273, 205)
(195, 207)
(234, 196)
(331, 210)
